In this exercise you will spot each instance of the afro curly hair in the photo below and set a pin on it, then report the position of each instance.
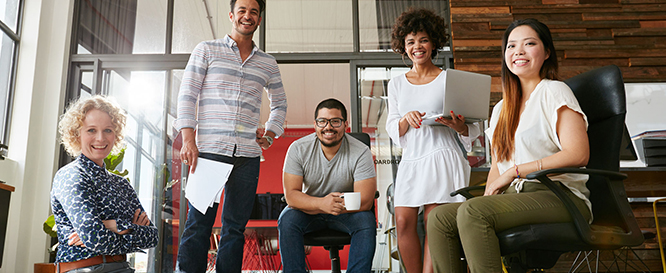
(417, 20)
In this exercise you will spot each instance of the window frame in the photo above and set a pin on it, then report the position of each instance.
(8, 103)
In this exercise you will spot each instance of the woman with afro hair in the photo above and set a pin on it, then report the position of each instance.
(432, 164)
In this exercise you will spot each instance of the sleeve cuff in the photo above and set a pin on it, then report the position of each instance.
(277, 130)
(473, 132)
(179, 124)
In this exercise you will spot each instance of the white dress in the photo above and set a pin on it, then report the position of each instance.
(432, 164)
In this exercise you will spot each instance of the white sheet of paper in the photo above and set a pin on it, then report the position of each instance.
(207, 183)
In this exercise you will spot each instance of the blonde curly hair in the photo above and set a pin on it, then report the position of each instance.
(71, 122)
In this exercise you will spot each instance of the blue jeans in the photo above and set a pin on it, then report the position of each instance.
(292, 224)
(239, 195)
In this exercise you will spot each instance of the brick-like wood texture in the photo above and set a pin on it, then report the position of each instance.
(587, 34)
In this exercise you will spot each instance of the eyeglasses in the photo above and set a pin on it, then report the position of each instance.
(335, 122)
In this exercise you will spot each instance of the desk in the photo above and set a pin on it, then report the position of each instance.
(261, 246)
(5, 192)
(645, 181)
(260, 251)
(264, 228)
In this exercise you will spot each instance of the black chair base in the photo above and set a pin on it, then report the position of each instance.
(331, 240)
(521, 262)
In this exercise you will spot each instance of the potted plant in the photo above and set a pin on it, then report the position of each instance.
(50, 229)
(111, 162)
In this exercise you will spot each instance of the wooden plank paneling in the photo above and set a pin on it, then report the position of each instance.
(471, 27)
(595, 62)
(587, 34)
(548, 9)
(653, 24)
(488, 3)
(475, 42)
(653, 32)
(599, 1)
(614, 53)
(647, 61)
(628, 2)
(658, 42)
(593, 16)
(569, 17)
(555, 2)
(479, 10)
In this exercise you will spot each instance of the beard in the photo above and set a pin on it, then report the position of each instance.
(333, 143)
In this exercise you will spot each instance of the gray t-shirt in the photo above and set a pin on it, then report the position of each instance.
(352, 163)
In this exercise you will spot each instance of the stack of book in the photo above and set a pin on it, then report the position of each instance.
(651, 147)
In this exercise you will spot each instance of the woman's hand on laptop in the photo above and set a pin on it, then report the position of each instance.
(456, 122)
(413, 118)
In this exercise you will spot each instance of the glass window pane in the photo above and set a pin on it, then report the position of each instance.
(309, 26)
(306, 85)
(142, 95)
(196, 21)
(645, 113)
(9, 13)
(122, 26)
(645, 107)
(86, 84)
(6, 64)
(377, 17)
(373, 96)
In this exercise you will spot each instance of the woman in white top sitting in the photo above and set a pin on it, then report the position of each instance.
(537, 125)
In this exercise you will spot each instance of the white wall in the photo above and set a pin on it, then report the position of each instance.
(33, 148)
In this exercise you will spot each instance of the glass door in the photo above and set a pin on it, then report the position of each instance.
(143, 95)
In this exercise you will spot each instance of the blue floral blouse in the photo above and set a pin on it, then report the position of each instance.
(83, 195)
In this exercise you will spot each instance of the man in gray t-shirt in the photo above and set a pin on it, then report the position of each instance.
(318, 168)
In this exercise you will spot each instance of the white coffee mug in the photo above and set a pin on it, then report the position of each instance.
(352, 200)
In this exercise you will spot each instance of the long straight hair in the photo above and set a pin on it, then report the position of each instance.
(504, 136)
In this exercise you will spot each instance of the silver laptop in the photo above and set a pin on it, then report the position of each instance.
(466, 94)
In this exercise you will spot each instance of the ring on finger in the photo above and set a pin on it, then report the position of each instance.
(185, 161)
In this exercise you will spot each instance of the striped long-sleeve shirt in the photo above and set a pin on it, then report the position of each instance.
(229, 95)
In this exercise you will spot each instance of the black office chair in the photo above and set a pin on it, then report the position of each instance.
(601, 95)
(333, 240)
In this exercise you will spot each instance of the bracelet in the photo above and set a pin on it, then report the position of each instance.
(269, 139)
(517, 172)
(539, 165)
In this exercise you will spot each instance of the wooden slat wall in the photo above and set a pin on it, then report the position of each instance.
(587, 34)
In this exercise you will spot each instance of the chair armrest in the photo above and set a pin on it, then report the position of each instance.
(466, 191)
(608, 174)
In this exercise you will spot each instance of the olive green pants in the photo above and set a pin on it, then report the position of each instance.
(475, 221)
